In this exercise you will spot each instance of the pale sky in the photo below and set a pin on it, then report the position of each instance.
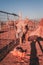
(31, 8)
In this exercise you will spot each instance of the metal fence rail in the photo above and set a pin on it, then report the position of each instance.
(4, 16)
(6, 49)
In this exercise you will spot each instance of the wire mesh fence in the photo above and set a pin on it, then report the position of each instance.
(5, 16)
(7, 19)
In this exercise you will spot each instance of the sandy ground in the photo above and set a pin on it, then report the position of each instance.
(33, 56)
(12, 59)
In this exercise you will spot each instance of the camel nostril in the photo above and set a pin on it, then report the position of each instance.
(21, 49)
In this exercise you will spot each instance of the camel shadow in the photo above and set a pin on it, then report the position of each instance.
(34, 60)
(33, 57)
(38, 40)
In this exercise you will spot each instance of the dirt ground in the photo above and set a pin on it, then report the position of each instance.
(33, 56)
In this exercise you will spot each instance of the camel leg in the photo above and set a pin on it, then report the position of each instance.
(20, 40)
